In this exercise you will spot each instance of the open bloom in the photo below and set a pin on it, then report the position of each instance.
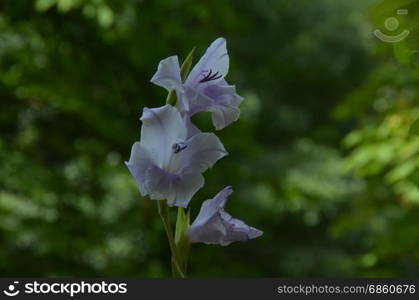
(215, 226)
(166, 163)
(205, 88)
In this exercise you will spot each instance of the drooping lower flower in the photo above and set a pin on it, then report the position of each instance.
(215, 226)
(205, 88)
(166, 163)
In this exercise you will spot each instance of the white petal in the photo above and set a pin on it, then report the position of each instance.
(220, 99)
(177, 189)
(211, 207)
(208, 226)
(225, 108)
(224, 115)
(209, 233)
(192, 129)
(215, 226)
(138, 165)
(237, 230)
(215, 59)
(162, 128)
(185, 189)
(168, 74)
(201, 152)
(197, 101)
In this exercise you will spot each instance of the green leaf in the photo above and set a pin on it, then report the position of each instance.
(186, 65)
(182, 225)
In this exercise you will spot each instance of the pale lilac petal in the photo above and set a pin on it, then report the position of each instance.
(197, 102)
(212, 233)
(162, 128)
(182, 103)
(199, 153)
(215, 60)
(210, 208)
(237, 230)
(168, 74)
(177, 189)
(220, 99)
(139, 163)
(191, 128)
(166, 164)
(215, 226)
(225, 109)
(182, 193)
(205, 89)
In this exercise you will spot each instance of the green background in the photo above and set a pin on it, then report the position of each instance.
(324, 159)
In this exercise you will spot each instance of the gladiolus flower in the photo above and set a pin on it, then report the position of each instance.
(205, 88)
(166, 163)
(215, 226)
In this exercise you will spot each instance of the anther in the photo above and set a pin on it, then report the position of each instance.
(178, 147)
(209, 76)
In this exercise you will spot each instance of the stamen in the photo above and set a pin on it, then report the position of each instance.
(209, 76)
(178, 147)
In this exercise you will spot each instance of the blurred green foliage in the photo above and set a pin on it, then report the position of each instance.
(324, 158)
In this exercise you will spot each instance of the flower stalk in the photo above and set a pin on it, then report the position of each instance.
(178, 268)
(179, 245)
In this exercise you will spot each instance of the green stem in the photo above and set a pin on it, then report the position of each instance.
(181, 240)
(163, 209)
